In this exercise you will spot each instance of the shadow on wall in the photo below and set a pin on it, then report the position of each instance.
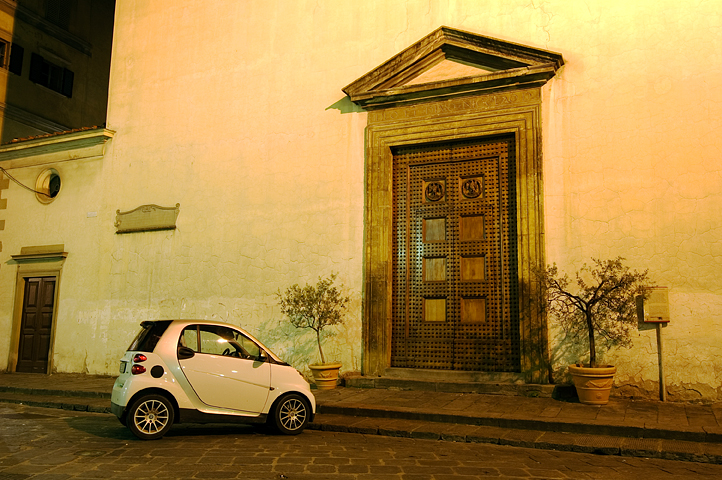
(292, 345)
(345, 105)
(564, 352)
(298, 348)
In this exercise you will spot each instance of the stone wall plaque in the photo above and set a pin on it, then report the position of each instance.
(146, 218)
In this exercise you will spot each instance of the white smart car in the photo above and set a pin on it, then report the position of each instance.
(200, 371)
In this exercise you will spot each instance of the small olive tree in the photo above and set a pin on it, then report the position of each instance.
(315, 307)
(601, 301)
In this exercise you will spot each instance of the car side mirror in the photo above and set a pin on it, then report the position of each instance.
(185, 353)
(262, 356)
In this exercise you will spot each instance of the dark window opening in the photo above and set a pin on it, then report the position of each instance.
(58, 12)
(11, 56)
(15, 64)
(54, 185)
(52, 76)
(4, 48)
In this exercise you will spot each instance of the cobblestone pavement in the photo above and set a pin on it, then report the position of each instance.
(50, 444)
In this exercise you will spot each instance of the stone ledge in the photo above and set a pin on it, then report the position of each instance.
(570, 442)
(488, 388)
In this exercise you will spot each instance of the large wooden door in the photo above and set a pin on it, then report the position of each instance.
(455, 289)
(36, 325)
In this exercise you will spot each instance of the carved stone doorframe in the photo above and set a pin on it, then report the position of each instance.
(418, 97)
(36, 261)
(510, 113)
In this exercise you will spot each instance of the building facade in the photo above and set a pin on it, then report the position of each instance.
(54, 65)
(432, 154)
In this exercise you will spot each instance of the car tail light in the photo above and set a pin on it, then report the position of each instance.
(137, 369)
(139, 357)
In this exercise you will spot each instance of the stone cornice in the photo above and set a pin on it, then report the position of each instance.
(62, 147)
(21, 115)
(502, 65)
(41, 254)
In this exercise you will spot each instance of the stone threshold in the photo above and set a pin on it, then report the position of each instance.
(454, 384)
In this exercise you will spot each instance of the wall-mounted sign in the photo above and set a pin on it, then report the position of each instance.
(654, 308)
(146, 218)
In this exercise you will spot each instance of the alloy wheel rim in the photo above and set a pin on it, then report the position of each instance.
(293, 414)
(151, 416)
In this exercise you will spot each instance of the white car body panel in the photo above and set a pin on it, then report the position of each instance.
(249, 387)
(124, 390)
(228, 382)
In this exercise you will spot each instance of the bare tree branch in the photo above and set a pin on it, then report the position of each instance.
(605, 308)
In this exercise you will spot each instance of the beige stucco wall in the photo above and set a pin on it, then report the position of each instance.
(632, 168)
(232, 110)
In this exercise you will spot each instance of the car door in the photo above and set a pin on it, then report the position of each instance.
(225, 371)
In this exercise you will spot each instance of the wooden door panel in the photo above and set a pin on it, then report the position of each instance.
(31, 294)
(26, 348)
(36, 325)
(453, 261)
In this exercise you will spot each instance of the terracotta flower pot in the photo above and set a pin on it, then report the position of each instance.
(593, 384)
(325, 375)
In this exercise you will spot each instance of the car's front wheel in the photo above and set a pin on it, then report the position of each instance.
(291, 414)
(150, 417)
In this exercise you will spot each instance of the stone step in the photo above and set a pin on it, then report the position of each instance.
(69, 392)
(549, 435)
(80, 403)
(458, 386)
(670, 449)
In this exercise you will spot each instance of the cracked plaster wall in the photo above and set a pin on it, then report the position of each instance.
(236, 127)
(631, 159)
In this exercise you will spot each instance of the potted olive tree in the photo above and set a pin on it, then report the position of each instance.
(598, 307)
(316, 307)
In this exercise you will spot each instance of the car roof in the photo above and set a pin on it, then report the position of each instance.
(184, 322)
(177, 323)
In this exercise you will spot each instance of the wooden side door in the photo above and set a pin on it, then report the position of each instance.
(36, 325)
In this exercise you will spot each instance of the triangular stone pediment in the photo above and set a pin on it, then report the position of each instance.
(449, 63)
(449, 70)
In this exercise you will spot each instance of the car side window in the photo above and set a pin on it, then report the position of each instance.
(189, 338)
(218, 340)
(214, 340)
(249, 346)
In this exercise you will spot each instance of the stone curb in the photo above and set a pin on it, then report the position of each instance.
(64, 403)
(689, 434)
(56, 393)
(549, 435)
(694, 434)
(546, 440)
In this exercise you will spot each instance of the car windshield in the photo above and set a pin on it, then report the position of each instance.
(147, 338)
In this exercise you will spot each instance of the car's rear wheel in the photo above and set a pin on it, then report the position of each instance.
(150, 417)
(291, 414)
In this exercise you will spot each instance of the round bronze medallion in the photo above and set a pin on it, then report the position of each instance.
(434, 191)
(471, 188)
